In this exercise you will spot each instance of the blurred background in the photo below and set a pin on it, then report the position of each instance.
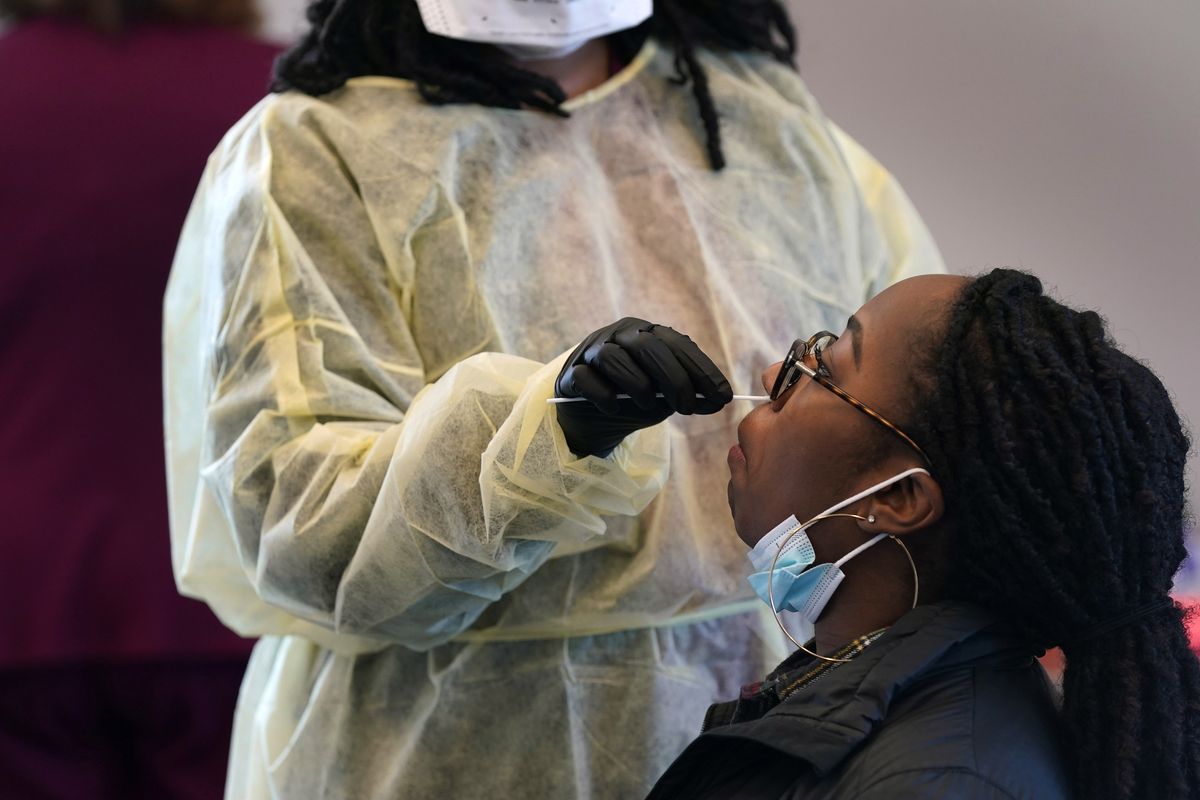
(1059, 137)
(112, 685)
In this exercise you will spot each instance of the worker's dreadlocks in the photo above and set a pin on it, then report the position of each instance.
(349, 38)
(1062, 461)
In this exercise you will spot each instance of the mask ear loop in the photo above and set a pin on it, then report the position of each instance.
(775, 561)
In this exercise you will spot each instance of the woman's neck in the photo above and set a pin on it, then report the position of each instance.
(578, 72)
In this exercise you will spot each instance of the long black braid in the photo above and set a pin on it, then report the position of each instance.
(350, 38)
(1062, 461)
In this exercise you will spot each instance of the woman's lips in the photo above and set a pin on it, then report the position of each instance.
(736, 455)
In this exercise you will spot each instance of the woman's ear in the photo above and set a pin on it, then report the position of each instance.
(907, 506)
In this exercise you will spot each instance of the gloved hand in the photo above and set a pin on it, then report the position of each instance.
(640, 359)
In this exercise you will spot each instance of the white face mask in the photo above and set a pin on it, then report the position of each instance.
(532, 29)
(528, 52)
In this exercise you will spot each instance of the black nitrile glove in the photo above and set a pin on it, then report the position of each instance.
(640, 359)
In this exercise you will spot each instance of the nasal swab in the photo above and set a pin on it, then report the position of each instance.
(753, 398)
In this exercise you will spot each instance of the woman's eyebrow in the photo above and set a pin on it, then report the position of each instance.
(856, 336)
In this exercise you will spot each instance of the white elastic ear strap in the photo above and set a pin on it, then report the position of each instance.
(872, 541)
(868, 492)
(791, 524)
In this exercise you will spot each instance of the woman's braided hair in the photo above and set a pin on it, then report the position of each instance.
(350, 38)
(1062, 462)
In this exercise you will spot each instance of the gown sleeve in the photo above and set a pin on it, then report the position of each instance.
(321, 483)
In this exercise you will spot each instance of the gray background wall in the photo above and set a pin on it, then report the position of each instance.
(1061, 137)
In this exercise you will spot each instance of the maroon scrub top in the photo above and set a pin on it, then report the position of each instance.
(102, 144)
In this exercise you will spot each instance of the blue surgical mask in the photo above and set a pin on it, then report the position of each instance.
(795, 584)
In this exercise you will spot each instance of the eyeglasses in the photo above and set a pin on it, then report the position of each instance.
(794, 366)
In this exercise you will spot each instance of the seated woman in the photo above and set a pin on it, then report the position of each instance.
(983, 475)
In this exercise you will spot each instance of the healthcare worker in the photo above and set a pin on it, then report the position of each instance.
(371, 304)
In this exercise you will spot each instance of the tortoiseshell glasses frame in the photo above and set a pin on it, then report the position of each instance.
(793, 367)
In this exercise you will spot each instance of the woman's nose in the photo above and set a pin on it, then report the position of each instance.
(768, 376)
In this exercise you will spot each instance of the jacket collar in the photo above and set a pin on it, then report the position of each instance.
(822, 725)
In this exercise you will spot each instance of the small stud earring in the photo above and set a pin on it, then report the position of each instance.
(871, 518)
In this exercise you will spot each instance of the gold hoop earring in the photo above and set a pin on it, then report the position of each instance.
(775, 561)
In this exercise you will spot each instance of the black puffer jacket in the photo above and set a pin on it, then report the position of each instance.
(947, 704)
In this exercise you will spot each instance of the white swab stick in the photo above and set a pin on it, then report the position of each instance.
(753, 398)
